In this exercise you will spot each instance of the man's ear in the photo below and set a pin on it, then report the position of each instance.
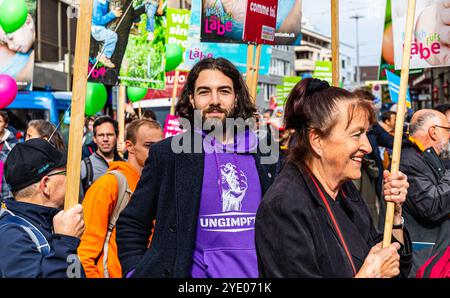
(129, 146)
(316, 142)
(432, 133)
(44, 186)
(191, 100)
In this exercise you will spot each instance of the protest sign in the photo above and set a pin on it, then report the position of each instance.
(394, 88)
(260, 21)
(223, 21)
(177, 30)
(323, 71)
(128, 43)
(430, 47)
(197, 50)
(17, 50)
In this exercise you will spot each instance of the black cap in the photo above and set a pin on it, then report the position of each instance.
(28, 162)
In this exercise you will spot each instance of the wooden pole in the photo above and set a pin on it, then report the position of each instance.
(139, 109)
(335, 42)
(254, 88)
(174, 92)
(82, 45)
(121, 113)
(249, 76)
(401, 107)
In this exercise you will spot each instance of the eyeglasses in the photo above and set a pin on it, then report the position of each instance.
(58, 173)
(444, 127)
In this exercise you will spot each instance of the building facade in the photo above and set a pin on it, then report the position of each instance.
(317, 47)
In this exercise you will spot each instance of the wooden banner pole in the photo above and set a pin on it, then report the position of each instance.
(83, 40)
(121, 114)
(174, 92)
(250, 55)
(335, 42)
(256, 65)
(401, 108)
(139, 110)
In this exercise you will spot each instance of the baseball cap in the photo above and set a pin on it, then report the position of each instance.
(28, 162)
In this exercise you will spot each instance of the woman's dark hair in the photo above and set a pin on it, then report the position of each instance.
(4, 115)
(46, 129)
(312, 104)
(149, 114)
(244, 106)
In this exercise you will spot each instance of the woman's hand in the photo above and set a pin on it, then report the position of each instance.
(395, 190)
(381, 262)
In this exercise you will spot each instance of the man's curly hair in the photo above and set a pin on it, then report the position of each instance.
(244, 109)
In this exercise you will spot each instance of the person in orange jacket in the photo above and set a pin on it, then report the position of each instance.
(101, 198)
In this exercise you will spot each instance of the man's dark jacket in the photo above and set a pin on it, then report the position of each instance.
(169, 192)
(19, 256)
(427, 207)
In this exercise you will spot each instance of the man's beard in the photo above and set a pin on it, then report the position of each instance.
(445, 151)
(214, 123)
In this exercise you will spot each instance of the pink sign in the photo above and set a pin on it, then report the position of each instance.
(260, 21)
(172, 126)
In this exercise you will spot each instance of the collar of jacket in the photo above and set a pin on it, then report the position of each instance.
(417, 143)
(40, 216)
(356, 250)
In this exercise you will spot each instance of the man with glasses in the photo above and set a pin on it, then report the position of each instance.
(427, 207)
(37, 238)
(105, 138)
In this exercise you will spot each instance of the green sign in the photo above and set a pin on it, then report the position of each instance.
(178, 21)
(284, 90)
(280, 95)
(323, 71)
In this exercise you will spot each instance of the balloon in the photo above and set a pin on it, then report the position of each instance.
(13, 14)
(8, 90)
(174, 56)
(258, 89)
(96, 97)
(387, 50)
(136, 93)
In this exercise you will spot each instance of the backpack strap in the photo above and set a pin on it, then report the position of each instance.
(87, 181)
(36, 236)
(124, 195)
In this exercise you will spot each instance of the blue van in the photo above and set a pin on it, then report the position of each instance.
(32, 105)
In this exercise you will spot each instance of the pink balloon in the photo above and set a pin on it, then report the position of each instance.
(8, 90)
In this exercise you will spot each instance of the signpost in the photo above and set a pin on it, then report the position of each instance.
(83, 40)
(399, 122)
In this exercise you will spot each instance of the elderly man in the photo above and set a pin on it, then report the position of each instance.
(427, 207)
(37, 239)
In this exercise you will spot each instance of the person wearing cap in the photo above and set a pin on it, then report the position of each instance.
(37, 238)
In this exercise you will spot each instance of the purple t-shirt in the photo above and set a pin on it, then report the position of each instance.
(231, 193)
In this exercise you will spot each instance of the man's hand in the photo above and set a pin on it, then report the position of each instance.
(117, 11)
(70, 222)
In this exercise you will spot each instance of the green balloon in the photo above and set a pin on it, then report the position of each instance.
(136, 93)
(258, 89)
(174, 56)
(13, 14)
(96, 97)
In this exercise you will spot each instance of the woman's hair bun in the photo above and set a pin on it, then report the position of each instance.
(316, 85)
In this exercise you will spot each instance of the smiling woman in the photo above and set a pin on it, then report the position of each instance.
(322, 225)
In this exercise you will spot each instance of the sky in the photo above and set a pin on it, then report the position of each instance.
(317, 13)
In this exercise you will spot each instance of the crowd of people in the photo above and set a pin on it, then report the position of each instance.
(214, 203)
